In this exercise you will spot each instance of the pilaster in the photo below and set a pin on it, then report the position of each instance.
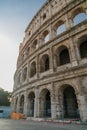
(37, 66)
(25, 103)
(51, 59)
(53, 103)
(69, 22)
(18, 105)
(36, 103)
(73, 55)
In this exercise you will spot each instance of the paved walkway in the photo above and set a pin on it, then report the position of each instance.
(30, 125)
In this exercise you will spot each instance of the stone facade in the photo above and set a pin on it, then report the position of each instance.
(51, 75)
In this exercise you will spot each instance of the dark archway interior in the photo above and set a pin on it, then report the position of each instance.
(33, 69)
(47, 105)
(31, 101)
(83, 49)
(70, 103)
(44, 65)
(22, 104)
(47, 64)
(64, 57)
(32, 108)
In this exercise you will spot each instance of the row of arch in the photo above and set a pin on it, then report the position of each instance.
(68, 106)
(62, 57)
(78, 16)
(45, 16)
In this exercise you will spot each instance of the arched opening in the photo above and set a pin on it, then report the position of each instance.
(24, 76)
(44, 63)
(32, 69)
(34, 45)
(83, 49)
(79, 18)
(46, 36)
(22, 104)
(79, 15)
(18, 78)
(45, 103)
(64, 57)
(31, 98)
(61, 29)
(70, 105)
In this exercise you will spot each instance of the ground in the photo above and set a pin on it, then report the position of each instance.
(30, 125)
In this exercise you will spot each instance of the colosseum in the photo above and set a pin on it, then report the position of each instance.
(51, 76)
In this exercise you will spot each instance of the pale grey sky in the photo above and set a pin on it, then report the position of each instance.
(15, 15)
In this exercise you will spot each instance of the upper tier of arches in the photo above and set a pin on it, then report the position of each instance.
(57, 28)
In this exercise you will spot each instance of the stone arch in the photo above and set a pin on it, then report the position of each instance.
(31, 102)
(44, 63)
(45, 103)
(79, 15)
(28, 50)
(18, 78)
(35, 44)
(68, 101)
(62, 55)
(22, 104)
(32, 69)
(45, 36)
(24, 74)
(59, 27)
(82, 46)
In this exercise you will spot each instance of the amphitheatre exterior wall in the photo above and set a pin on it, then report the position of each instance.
(50, 64)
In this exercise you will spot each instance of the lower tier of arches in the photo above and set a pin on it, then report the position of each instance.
(55, 100)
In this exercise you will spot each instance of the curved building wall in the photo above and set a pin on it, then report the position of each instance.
(51, 75)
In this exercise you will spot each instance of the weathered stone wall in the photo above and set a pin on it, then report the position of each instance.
(40, 53)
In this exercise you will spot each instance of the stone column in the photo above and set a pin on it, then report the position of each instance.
(36, 103)
(86, 7)
(82, 107)
(37, 66)
(73, 55)
(86, 11)
(77, 49)
(69, 22)
(27, 72)
(59, 103)
(55, 60)
(41, 40)
(41, 102)
(21, 78)
(13, 104)
(53, 32)
(50, 33)
(25, 103)
(18, 105)
(82, 104)
(53, 103)
(51, 59)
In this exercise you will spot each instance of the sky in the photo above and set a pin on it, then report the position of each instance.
(15, 16)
